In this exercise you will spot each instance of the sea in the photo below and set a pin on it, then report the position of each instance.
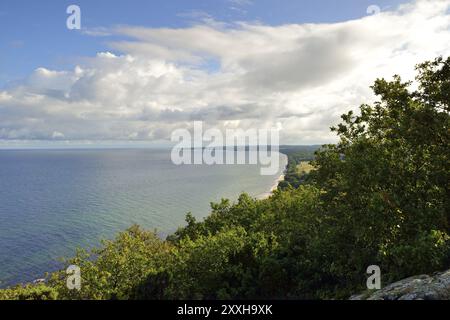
(55, 201)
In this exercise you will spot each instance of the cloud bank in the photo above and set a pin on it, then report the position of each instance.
(243, 75)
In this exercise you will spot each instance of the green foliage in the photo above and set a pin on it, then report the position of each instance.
(296, 155)
(113, 271)
(208, 268)
(378, 197)
(385, 185)
(29, 292)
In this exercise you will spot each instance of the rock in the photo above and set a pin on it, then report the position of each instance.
(423, 287)
(39, 281)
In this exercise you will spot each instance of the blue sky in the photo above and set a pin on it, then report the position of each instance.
(138, 70)
(33, 33)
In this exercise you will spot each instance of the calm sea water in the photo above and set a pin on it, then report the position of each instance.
(53, 201)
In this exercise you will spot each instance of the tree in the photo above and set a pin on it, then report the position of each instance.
(385, 184)
(378, 197)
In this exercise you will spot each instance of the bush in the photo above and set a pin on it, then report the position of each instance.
(378, 197)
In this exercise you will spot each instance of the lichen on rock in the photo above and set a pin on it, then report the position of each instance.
(423, 287)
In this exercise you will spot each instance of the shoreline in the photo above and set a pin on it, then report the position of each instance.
(36, 278)
(268, 194)
(277, 182)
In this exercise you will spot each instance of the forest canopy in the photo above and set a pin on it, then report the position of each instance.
(378, 197)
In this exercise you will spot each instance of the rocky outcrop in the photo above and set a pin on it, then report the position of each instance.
(424, 287)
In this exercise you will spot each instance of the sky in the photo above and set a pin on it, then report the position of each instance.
(138, 70)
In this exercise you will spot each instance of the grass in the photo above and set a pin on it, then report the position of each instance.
(304, 167)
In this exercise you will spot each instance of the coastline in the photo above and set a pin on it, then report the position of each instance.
(268, 194)
(264, 186)
(277, 182)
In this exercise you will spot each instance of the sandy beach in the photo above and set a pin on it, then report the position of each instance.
(274, 187)
(281, 178)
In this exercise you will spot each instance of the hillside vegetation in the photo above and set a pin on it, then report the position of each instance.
(378, 197)
(299, 158)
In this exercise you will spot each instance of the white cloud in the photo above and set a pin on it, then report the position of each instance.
(96, 32)
(57, 135)
(4, 96)
(240, 2)
(304, 76)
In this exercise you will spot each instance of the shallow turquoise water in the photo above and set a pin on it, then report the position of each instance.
(53, 201)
